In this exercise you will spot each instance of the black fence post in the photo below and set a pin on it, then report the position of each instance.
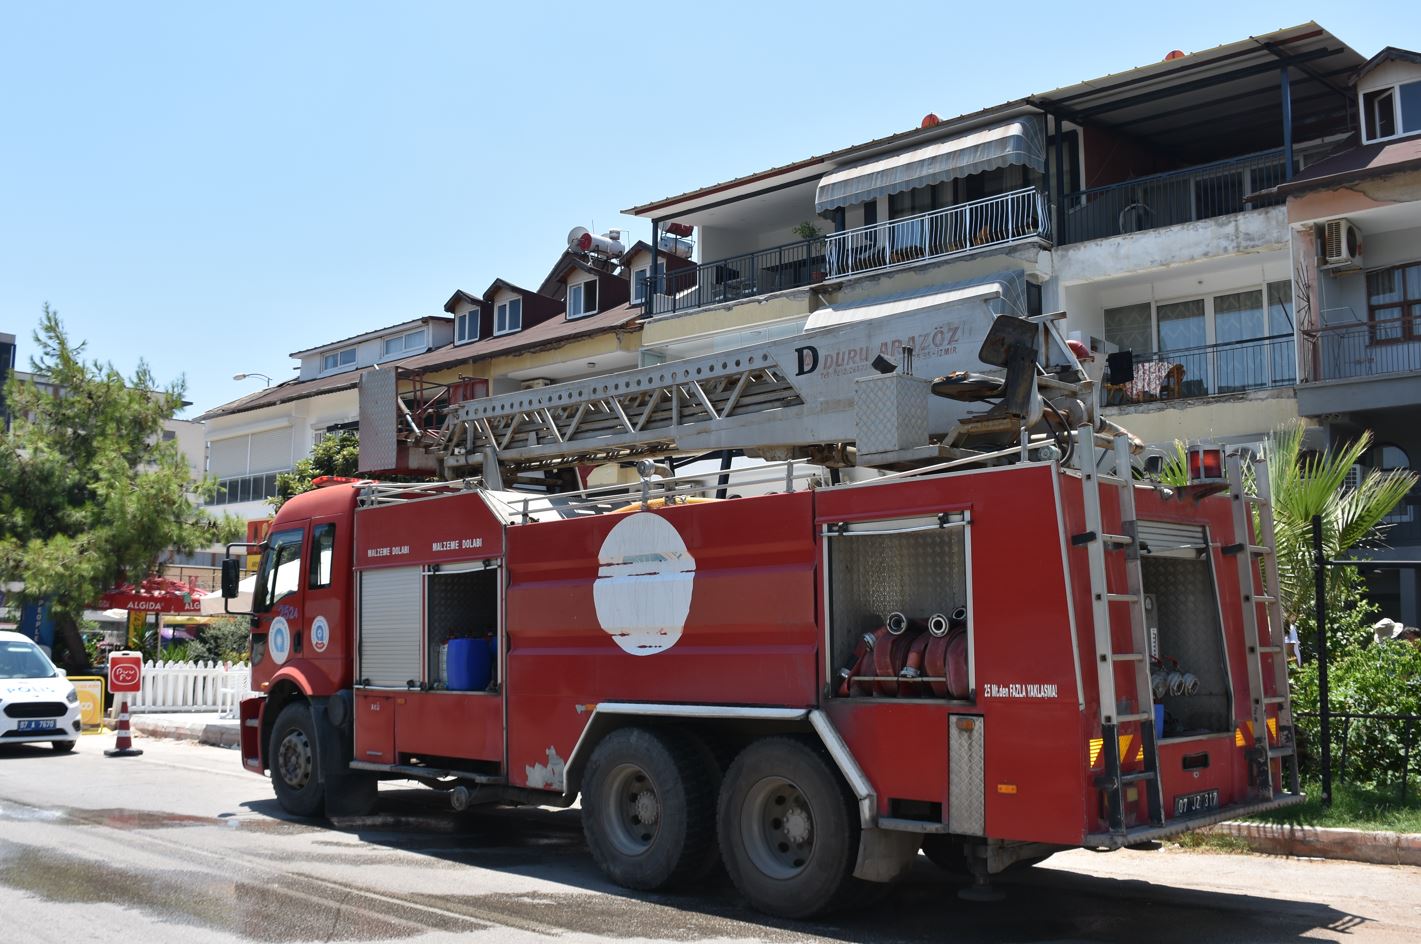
(1324, 711)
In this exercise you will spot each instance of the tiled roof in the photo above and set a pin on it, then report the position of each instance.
(1358, 163)
(550, 333)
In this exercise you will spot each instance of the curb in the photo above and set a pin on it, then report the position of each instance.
(1317, 842)
(213, 734)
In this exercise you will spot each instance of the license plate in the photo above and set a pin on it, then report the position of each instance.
(1188, 803)
(37, 724)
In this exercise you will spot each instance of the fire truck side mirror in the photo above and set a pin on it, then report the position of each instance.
(230, 576)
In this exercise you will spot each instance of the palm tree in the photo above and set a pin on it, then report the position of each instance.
(1304, 484)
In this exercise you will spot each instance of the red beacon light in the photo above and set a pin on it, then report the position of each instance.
(1206, 465)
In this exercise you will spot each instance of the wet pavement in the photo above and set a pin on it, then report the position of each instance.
(182, 845)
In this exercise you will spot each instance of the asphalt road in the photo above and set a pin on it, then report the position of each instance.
(182, 845)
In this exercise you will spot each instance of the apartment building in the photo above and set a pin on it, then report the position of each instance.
(1123, 201)
(1355, 226)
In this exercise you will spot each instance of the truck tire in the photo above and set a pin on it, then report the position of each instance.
(648, 809)
(294, 761)
(789, 829)
(352, 794)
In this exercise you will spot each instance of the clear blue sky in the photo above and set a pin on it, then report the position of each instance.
(213, 186)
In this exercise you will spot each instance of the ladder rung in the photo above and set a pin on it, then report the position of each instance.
(1141, 775)
(1281, 751)
(1259, 549)
(1116, 480)
(1255, 500)
(1275, 700)
(1123, 540)
(1269, 650)
(1123, 718)
(1264, 598)
(1128, 657)
(1121, 598)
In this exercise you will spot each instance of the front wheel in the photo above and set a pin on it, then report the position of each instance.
(293, 761)
(789, 829)
(62, 747)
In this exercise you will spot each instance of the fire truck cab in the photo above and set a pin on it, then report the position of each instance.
(988, 663)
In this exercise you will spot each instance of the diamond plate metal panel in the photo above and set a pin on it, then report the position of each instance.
(1187, 610)
(458, 604)
(966, 775)
(891, 412)
(378, 425)
(873, 575)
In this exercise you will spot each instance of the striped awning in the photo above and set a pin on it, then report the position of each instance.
(1022, 141)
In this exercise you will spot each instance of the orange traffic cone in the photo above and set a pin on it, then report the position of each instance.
(123, 747)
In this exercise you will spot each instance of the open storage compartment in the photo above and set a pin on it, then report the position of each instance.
(1186, 636)
(461, 627)
(916, 568)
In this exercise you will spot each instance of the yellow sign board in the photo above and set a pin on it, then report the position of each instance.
(90, 689)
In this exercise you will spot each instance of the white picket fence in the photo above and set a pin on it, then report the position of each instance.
(192, 686)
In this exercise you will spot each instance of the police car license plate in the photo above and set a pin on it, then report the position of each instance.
(1188, 803)
(37, 724)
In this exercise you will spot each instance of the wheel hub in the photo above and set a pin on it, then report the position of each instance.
(647, 809)
(777, 826)
(797, 825)
(294, 759)
(632, 809)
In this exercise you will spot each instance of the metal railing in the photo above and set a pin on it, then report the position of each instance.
(1375, 739)
(956, 230)
(792, 265)
(1402, 526)
(1181, 196)
(1231, 367)
(1366, 349)
(969, 227)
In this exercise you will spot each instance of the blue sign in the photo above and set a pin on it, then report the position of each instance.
(35, 622)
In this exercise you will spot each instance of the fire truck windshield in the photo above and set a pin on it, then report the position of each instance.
(279, 574)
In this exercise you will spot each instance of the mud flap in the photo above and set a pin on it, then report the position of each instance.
(885, 853)
(333, 750)
(250, 733)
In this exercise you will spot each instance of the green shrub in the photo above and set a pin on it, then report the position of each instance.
(225, 639)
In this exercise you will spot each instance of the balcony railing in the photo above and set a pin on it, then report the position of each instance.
(1367, 349)
(1182, 196)
(951, 231)
(1206, 371)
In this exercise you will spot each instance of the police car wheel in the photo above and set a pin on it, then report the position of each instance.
(62, 747)
(293, 759)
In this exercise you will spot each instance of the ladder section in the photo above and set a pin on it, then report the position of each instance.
(1267, 655)
(1098, 544)
(638, 412)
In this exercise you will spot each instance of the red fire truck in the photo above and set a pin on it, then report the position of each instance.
(990, 663)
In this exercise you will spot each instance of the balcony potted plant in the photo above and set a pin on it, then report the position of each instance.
(807, 231)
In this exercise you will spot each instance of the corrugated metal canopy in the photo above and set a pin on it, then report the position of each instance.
(1013, 142)
(1005, 293)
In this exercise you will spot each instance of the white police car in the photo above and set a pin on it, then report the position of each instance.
(37, 703)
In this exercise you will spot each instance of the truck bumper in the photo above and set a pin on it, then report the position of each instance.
(1185, 824)
(251, 715)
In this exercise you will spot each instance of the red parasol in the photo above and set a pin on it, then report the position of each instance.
(155, 595)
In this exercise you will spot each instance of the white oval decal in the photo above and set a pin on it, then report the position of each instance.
(643, 587)
(278, 640)
(320, 634)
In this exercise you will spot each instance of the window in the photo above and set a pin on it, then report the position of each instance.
(1181, 325)
(508, 316)
(404, 343)
(466, 326)
(1392, 111)
(278, 576)
(323, 549)
(639, 277)
(338, 359)
(1394, 303)
(1129, 328)
(244, 488)
(582, 299)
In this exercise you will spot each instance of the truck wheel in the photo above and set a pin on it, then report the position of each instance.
(648, 809)
(352, 794)
(293, 761)
(789, 829)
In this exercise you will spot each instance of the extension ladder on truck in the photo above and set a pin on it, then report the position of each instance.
(1258, 587)
(1115, 710)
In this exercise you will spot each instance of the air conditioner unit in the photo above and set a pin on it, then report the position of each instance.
(535, 383)
(1341, 244)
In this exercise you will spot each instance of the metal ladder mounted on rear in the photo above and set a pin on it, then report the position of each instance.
(1098, 543)
(1258, 586)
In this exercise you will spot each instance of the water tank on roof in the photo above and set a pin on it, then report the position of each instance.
(580, 239)
(671, 246)
(683, 230)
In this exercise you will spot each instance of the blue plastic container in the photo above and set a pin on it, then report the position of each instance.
(1159, 722)
(470, 665)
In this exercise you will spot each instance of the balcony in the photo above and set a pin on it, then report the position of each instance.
(1182, 196)
(1211, 370)
(1367, 349)
(940, 234)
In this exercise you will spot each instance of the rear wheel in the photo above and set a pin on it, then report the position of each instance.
(293, 761)
(789, 830)
(62, 747)
(648, 809)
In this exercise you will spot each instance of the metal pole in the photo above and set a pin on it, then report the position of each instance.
(1287, 124)
(653, 285)
(1060, 178)
(1324, 710)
